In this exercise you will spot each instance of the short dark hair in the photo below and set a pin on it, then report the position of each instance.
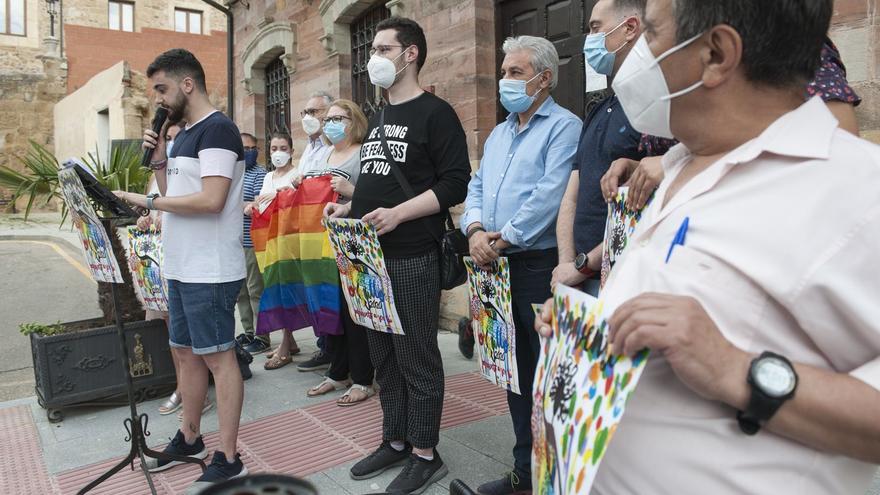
(249, 136)
(408, 33)
(629, 7)
(179, 63)
(782, 39)
(282, 135)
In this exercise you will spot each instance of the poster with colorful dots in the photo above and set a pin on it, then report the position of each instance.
(619, 227)
(365, 281)
(580, 392)
(492, 322)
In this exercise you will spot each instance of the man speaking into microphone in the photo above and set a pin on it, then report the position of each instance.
(200, 186)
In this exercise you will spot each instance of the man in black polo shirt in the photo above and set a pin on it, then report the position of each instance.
(428, 143)
(607, 135)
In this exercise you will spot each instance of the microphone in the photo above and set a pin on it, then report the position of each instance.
(158, 122)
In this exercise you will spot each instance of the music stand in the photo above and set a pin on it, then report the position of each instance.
(135, 424)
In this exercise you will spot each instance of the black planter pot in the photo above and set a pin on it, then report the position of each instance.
(84, 367)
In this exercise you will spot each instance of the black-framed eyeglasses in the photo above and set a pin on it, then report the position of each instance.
(383, 49)
(336, 118)
(311, 111)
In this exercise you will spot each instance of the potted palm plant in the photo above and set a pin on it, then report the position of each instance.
(78, 362)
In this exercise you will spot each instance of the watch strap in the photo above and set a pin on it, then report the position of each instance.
(761, 407)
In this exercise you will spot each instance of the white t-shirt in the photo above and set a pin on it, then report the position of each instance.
(271, 183)
(205, 248)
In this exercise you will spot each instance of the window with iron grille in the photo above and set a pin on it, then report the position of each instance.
(364, 93)
(277, 100)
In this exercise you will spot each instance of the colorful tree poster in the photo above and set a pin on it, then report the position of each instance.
(492, 322)
(619, 228)
(145, 262)
(580, 392)
(95, 243)
(365, 280)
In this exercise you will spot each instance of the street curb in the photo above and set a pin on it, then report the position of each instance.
(49, 238)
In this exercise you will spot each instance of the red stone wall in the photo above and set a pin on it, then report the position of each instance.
(90, 50)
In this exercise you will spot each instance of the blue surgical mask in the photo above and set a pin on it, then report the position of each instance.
(250, 158)
(168, 146)
(513, 94)
(335, 131)
(599, 58)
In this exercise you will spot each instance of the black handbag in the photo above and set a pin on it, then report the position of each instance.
(453, 244)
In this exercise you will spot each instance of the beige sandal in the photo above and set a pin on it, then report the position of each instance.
(277, 362)
(347, 399)
(327, 386)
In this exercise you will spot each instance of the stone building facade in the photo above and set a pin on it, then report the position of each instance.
(45, 61)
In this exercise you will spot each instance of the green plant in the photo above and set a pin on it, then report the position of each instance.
(27, 329)
(39, 180)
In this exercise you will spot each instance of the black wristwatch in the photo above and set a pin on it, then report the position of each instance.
(773, 381)
(581, 264)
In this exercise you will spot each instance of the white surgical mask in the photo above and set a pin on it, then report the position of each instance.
(642, 90)
(383, 72)
(311, 125)
(280, 158)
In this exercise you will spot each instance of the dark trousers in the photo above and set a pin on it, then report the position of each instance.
(409, 368)
(530, 274)
(351, 354)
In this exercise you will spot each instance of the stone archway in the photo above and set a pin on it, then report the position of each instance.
(273, 40)
(337, 16)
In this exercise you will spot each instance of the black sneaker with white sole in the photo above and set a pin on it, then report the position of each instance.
(178, 446)
(381, 460)
(219, 470)
(320, 360)
(417, 475)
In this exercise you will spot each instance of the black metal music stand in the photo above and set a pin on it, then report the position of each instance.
(135, 424)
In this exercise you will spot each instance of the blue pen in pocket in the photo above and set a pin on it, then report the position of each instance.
(679, 237)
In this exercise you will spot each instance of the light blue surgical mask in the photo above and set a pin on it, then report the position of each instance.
(599, 58)
(168, 146)
(513, 94)
(335, 131)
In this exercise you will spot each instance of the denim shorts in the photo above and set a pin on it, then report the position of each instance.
(202, 316)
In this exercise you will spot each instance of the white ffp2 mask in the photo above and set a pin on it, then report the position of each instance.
(382, 71)
(642, 90)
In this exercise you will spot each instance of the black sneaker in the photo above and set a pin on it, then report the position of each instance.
(465, 338)
(219, 470)
(381, 460)
(257, 347)
(244, 339)
(418, 474)
(511, 484)
(178, 446)
(320, 360)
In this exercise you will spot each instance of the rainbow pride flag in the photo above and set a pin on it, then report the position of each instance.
(300, 277)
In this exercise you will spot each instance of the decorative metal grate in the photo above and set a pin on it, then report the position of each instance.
(277, 100)
(364, 93)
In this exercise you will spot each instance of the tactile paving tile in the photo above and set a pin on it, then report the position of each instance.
(23, 471)
(302, 441)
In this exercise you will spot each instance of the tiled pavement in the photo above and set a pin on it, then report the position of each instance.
(282, 432)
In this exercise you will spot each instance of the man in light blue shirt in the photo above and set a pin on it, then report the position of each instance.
(511, 211)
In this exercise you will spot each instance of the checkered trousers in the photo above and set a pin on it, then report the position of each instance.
(409, 368)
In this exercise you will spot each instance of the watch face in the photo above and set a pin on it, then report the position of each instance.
(580, 261)
(774, 377)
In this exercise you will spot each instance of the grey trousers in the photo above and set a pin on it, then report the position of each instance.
(249, 296)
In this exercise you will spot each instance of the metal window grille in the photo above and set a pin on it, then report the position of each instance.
(277, 100)
(364, 93)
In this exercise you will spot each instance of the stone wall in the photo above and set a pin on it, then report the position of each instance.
(855, 31)
(155, 14)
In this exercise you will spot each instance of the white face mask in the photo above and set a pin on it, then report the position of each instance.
(642, 90)
(311, 125)
(280, 158)
(383, 72)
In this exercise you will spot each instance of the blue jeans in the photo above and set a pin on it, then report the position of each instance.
(530, 274)
(202, 316)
